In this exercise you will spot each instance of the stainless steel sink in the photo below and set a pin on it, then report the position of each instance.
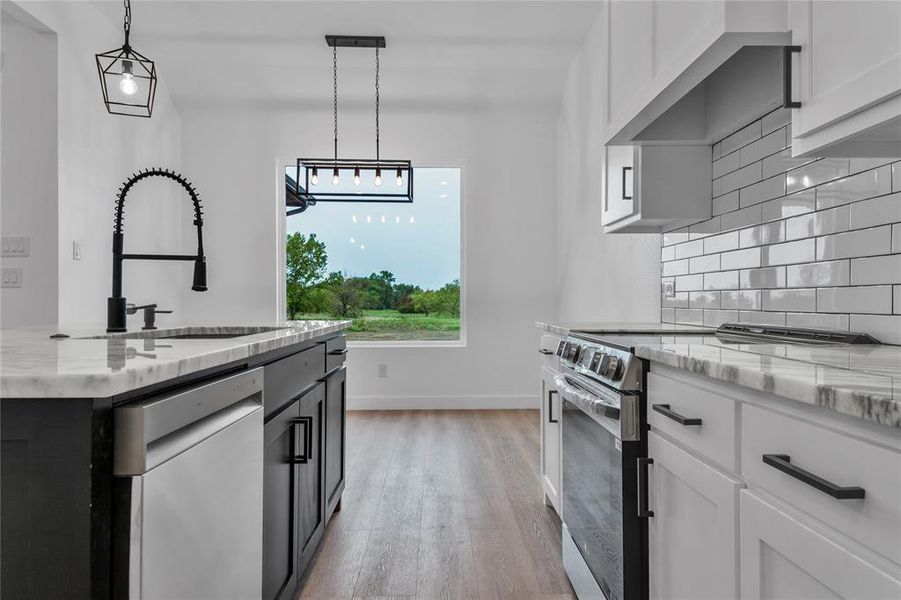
(190, 333)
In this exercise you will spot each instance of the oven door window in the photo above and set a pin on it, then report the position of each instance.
(593, 496)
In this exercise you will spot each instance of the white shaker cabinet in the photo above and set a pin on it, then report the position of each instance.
(551, 440)
(692, 541)
(846, 76)
(784, 559)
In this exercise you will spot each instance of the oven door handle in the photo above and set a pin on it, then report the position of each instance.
(643, 511)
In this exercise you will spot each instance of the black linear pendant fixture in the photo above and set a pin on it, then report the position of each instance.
(127, 77)
(374, 179)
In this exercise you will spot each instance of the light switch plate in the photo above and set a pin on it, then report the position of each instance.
(15, 245)
(11, 277)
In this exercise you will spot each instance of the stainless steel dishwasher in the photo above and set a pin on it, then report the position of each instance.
(188, 493)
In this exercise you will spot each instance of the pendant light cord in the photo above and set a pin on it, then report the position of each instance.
(377, 105)
(335, 79)
(126, 24)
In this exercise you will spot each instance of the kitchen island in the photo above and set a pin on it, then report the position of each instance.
(68, 510)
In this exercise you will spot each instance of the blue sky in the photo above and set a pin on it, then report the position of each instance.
(362, 238)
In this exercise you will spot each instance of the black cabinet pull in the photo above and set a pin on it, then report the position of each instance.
(545, 351)
(643, 511)
(783, 463)
(307, 423)
(550, 407)
(664, 410)
(341, 352)
(625, 170)
(787, 52)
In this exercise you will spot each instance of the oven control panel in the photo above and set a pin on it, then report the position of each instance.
(615, 367)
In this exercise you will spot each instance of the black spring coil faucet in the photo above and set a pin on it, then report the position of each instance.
(116, 305)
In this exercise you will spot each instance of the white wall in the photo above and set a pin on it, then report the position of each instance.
(613, 277)
(28, 150)
(508, 162)
(97, 152)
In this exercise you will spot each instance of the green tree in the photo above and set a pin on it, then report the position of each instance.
(306, 258)
(345, 294)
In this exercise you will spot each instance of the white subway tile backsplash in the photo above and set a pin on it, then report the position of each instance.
(724, 280)
(704, 300)
(704, 264)
(686, 283)
(725, 203)
(767, 277)
(748, 258)
(863, 242)
(743, 299)
(767, 189)
(740, 138)
(782, 162)
(808, 242)
(793, 204)
(724, 165)
(800, 300)
(817, 321)
(885, 328)
(721, 243)
(787, 253)
(857, 187)
(867, 299)
(689, 249)
(676, 267)
(815, 173)
(765, 146)
(876, 269)
(836, 272)
(876, 211)
(768, 233)
(834, 220)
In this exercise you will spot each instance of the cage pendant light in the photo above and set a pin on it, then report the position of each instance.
(127, 77)
(338, 179)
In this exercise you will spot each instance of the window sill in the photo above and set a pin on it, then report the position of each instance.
(401, 344)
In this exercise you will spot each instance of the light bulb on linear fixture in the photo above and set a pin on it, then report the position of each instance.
(335, 178)
(357, 176)
(400, 178)
(314, 178)
(378, 176)
(128, 85)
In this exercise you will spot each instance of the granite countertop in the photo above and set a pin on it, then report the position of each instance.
(862, 381)
(89, 364)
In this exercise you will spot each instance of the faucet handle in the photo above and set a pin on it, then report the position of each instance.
(131, 309)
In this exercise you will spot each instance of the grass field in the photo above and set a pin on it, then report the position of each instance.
(386, 325)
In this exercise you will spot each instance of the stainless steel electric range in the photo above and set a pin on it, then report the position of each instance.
(604, 425)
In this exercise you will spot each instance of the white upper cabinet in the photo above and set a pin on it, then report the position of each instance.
(660, 50)
(847, 77)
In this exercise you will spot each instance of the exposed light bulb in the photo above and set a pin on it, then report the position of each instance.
(128, 85)
(378, 177)
(368, 218)
(353, 241)
(443, 183)
(335, 178)
(314, 178)
(383, 218)
(412, 220)
(400, 178)
(353, 218)
(357, 176)
(397, 219)
(362, 246)
(443, 196)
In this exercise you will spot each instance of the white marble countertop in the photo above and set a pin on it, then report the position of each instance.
(32, 365)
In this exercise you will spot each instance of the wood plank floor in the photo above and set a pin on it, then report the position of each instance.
(441, 504)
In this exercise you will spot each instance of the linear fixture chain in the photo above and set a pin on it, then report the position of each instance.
(377, 103)
(335, 81)
(126, 24)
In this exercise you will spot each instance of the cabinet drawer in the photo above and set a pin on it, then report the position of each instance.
(286, 378)
(335, 353)
(674, 408)
(874, 520)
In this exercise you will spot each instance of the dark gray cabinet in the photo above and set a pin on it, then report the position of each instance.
(304, 460)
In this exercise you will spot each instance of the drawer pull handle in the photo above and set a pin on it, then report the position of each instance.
(787, 52)
(783, 463)
(643, 511)
(664, 410)
(341, 352)
(307, 424)
(545, 351)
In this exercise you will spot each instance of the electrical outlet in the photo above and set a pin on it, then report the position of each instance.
(383, 370)
(669, 289)
(17, 246)
(11, 277)
(76, 250)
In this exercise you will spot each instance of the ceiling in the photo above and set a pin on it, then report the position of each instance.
(439, 55)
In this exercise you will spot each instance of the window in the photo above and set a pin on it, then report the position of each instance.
(394, 268)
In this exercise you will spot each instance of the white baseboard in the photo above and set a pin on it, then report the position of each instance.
(439, 402)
